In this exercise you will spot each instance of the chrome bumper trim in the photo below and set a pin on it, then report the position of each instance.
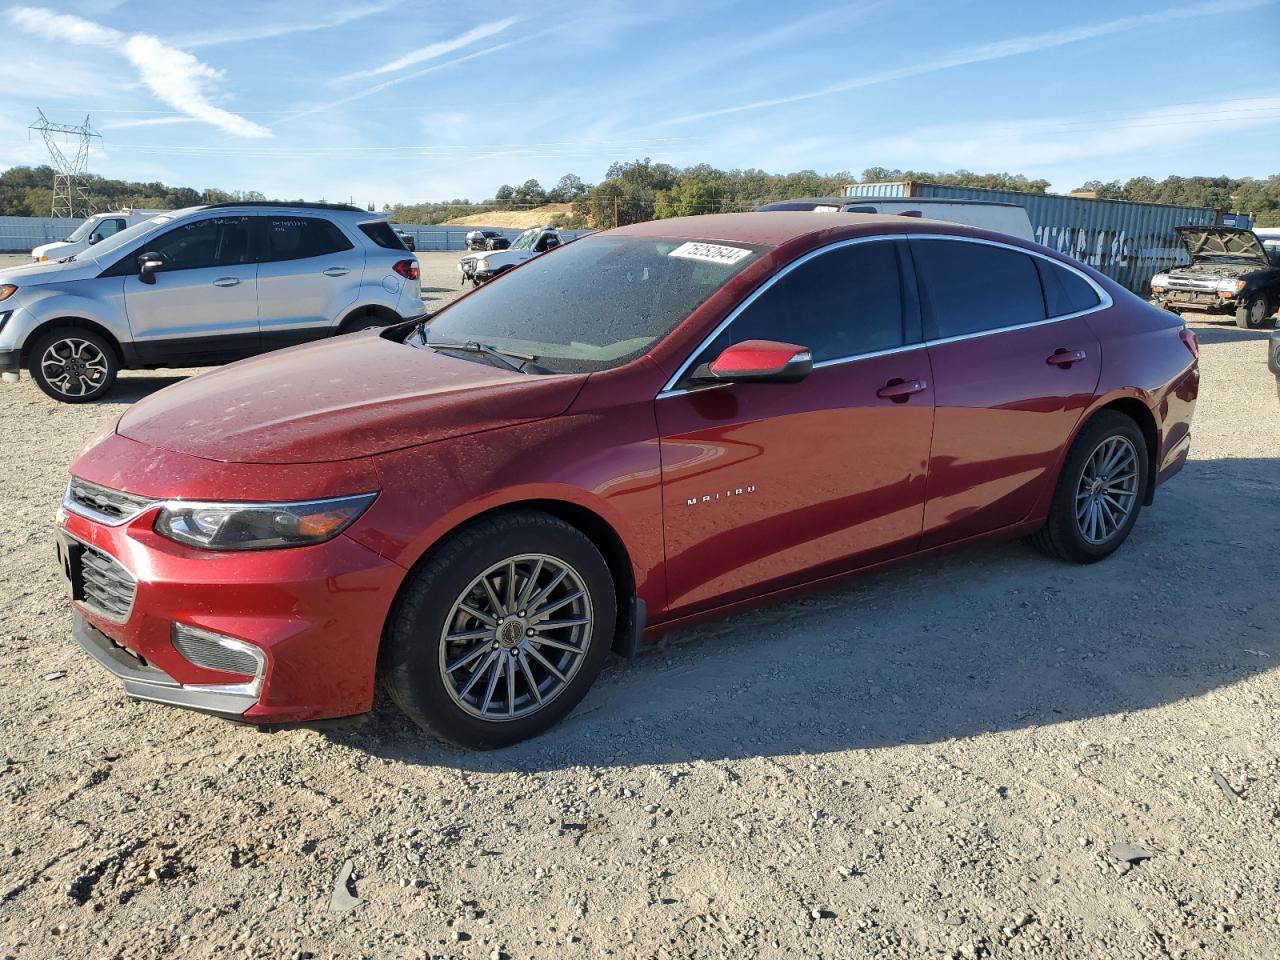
(145, 682)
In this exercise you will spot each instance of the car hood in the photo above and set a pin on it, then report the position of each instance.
(1201, 242)
(35, 274)
(339, 399)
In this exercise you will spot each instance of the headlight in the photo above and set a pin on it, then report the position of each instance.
(7, 290)
(1230, 286)
(259, 526)
(1160, 280)
(482, 265)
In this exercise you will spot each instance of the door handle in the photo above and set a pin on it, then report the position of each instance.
(1063, 357)
(226, 281)
(900, 391)
(336, 271)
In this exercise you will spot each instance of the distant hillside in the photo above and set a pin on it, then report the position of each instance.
(515, 219)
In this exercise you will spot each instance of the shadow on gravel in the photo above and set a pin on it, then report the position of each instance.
(986, 640)
(1228, 333)
(132, 389)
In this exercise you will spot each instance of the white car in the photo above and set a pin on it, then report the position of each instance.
(98, 227)
(528, 245)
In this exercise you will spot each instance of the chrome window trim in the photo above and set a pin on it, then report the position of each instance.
(1104, 302)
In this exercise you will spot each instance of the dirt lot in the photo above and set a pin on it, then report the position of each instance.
(933, 762)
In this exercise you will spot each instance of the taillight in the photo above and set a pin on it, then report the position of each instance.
(1191, 341)
(406, 268)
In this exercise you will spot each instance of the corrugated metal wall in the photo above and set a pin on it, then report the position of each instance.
(21, 234)
(1129, 242)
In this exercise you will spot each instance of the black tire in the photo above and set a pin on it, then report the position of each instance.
(1253, 314)
(411, 656)
(89, 364)
(1061, 536)
(364, 321)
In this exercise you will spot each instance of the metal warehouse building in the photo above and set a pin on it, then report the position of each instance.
(1129, 242)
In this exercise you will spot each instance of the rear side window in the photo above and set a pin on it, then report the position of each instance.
(1064, 291)
(380, 232)
(296, 238)
(840, 304)
(972, 287)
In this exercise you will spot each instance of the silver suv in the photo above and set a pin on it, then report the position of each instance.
(202, 286)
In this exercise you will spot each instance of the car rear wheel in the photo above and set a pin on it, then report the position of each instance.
(73, 365)
(502, 631)
(1099, 492)
(1253, 314)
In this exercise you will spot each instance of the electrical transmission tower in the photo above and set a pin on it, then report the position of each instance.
(70, 198)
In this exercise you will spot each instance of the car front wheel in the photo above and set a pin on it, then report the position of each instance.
(1253, 314)
(1099, 492)
(502, 631)
(73, 365)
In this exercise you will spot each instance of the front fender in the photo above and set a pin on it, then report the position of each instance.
(608, 466)
(43, 306)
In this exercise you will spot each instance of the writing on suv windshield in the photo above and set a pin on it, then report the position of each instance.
(592, 304)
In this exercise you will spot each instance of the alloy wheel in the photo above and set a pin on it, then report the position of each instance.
(515, 637)
(1108, 490)
(74, 367)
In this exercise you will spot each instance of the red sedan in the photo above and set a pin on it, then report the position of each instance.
(647, 426)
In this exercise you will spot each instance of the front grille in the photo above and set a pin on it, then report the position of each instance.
(99, 503)
(108, 588)
(1192, 283)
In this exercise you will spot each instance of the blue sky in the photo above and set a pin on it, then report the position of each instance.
(404, 100)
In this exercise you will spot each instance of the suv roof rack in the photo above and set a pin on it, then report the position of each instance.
(299, 204)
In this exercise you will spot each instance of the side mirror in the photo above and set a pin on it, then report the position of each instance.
(757, 361)
(148, 264)
(94, 238)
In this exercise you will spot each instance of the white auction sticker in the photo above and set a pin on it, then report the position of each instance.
(710, 252)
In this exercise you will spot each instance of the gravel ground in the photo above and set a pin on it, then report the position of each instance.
(933, 762)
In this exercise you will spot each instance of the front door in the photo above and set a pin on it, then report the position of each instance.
(1014, 366)
(203, 306)
(765, 485)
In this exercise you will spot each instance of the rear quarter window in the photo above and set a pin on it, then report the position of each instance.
(380, 232)
(1064, 291)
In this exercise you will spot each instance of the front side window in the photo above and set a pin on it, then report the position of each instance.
(593, 304)
(296, 238)
(79, 232)
(972, 287)
(840, 304)
(215, 242)
(106, 228)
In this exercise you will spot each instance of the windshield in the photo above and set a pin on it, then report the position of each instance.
(525, 240)
(122, 239)
(592, 304)
(83, 229)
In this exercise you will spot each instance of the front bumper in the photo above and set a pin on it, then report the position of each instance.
(316, 614)
(1203, 300)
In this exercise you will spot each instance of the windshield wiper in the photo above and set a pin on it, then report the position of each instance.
(502, 356)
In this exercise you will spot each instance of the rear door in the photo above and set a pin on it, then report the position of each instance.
(1014, 366)
(310, 274)
(203, 306)
(765, 485)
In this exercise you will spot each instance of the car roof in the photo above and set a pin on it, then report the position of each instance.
(856, 201)
(777, 227)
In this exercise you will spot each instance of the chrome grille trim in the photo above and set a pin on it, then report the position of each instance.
(111, 508)
(109, 588)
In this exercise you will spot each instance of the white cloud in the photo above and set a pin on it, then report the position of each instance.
(1037, 145)
(266, 31)
(982, 53)
(433, 51)
(63, 26)
(179, 79)
(172, 75)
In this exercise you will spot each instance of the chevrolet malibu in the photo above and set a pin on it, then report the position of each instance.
(653, 425)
